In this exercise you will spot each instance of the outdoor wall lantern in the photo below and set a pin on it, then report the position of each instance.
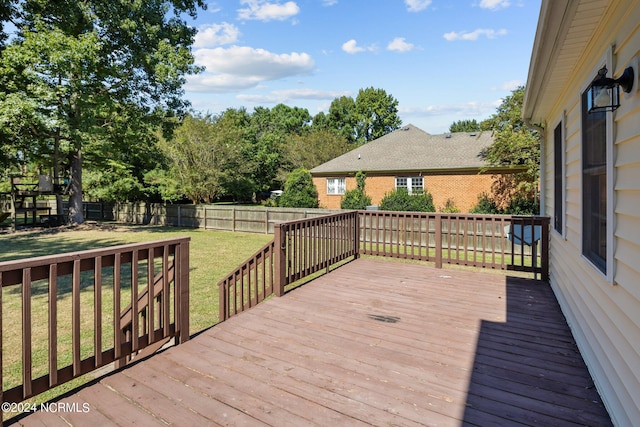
(604, 92)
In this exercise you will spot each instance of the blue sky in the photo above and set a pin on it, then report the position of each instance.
(443, 60)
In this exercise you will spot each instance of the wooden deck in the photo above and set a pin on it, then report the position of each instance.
(374, 342)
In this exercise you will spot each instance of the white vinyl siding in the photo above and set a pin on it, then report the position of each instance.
(603, 310)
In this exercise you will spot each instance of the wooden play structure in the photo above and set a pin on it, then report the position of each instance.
(21, 203)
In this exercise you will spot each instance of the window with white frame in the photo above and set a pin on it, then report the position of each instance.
(336, 185)
(594, 186)
(558, 179)
(414, 185)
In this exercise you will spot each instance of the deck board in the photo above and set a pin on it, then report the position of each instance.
(375, 342)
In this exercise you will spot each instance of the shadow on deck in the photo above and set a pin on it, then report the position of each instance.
(374, 342)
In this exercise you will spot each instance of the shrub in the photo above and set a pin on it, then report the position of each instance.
(401, 200)
(450, 207)
(521, 205)
(356, 198)
(486, 205)
(299, 191)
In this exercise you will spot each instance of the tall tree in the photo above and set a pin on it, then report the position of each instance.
(204, 156)
(77, 67)
(342, 117)
(376, 114)
(465, 126)
(311, 149)
(515, 145)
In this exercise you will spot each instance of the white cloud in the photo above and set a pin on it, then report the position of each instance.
(216, 35)
(263, 10)
(284, 96)
(220, 83)
(468, 110)
(417, 5)
(329, 2)
(352, 47)
(399, 44)
(494, 4)
(474, 35)
(239, 67)
(510, 85)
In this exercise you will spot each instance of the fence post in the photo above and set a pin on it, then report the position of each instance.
(280, 260)
(233, 219)
(438, 226)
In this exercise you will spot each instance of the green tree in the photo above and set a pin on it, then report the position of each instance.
(313, 148)
(376, 114)
(465, 126)
(299, 191)
(356, 198)
(342, 117)
(204, 157)
(517, 146)
(78, 67)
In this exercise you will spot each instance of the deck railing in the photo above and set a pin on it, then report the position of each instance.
(486, 241)
(299, 248)
(52, 291)
(304, 247)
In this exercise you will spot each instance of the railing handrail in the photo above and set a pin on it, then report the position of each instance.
(164, 310)
(85, 254)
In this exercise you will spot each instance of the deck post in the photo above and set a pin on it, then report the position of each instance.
(184, 290)
(545, 248)
(223, 299)
(356, 235)
(280, 260)
(438, 230)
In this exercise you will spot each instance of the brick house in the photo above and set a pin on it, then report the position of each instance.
(449, 166)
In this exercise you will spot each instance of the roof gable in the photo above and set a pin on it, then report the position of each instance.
(412, 149)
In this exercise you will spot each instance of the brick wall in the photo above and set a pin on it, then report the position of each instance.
(462, 188)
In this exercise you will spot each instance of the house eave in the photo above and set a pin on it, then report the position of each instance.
(429, 171)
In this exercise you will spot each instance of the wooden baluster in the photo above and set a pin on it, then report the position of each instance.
(151, 291)
(75, 308)
(97, 303)
(117, 327)
(53, 325)
(26, 333)
(134, 302)
(166, 297)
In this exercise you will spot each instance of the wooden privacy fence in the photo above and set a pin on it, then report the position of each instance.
(299, 248)
(139, 301)
(303, 247)
(250, 219)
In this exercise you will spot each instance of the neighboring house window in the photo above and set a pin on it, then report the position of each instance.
(414, 185)
(336, 185)
(558, 179)
(594, 186)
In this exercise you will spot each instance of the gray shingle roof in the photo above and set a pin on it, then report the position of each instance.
(412, 149)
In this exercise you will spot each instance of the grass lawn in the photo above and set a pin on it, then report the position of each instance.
(212, 255)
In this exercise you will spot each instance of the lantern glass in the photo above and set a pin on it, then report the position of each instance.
(603, 98)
